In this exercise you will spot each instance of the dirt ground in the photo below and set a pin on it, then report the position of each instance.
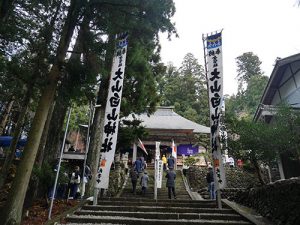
(38, 213)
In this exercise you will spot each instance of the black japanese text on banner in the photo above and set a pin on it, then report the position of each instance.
(215, 90)
(112, 110)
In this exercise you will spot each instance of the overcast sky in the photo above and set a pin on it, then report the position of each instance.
(268, 28)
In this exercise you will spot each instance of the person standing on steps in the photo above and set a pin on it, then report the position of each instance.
(134, 177)
(210, 182)
(74, 183)
(171, 162)
(171, 176)
(144, 183)
(164, 159)
(138, 166)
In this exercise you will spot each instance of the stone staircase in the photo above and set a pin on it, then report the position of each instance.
(137, 209)
(162, 193)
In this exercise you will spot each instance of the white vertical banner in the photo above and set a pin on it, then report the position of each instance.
(159, 173)
(157, 150)
(174, 150)
(112, 110)
(215, 90)
(157, 154)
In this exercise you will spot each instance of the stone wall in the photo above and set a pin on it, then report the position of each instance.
(278, 201)
(235, 178)
(116, 179)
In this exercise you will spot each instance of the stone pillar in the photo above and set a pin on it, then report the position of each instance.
(281, 172)
(124, 160)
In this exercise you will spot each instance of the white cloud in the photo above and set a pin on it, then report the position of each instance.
(268, 28)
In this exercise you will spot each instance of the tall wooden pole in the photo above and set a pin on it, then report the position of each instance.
(59, 163)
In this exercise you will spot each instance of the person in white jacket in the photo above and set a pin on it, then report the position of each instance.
(74, 182)
(144, 182)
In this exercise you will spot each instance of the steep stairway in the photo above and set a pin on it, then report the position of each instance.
(138, 210)
(162, 193)
(162, 212)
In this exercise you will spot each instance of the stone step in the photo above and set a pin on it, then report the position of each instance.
(140, 210)
(156, 209)
(136, 199)
(174, 203)
(150, 194)
(177, 188)
(139, 221)
(159, 197)
(162, 193)
(159, 215)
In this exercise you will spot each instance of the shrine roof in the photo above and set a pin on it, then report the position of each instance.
(166, 119)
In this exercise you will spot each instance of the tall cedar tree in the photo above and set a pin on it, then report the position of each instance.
(185, 88)
(143, 19)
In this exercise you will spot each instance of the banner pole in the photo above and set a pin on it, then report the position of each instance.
(59, 164)
(205, 62)
(214, 75)
(155, 180)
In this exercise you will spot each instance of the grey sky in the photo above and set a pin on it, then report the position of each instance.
(268, 28)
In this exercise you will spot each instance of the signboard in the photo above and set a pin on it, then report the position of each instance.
(157, 150)
(112, 110)
(159, 173)
(187, 149)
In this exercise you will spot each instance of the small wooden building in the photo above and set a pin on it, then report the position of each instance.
(283, 86)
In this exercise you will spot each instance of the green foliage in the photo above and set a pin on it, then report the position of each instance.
(204, 141)
(46, 175)
(79, 116)
(262, 141)
(140, 83)
(253, 93)
(38, 34)
(185, 89)
(247, 166)
(130, 131)
(253, 139)
(248, 65)
(190, 161)
(251, 86)
(285, 125)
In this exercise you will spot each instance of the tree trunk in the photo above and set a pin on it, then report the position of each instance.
(13, 208)
(95, 145)
(34, 191)
(63, 100)
(6, 7)
(54, 142)
(34, 184)
(41, 150)
(17, 133)
(14, 205)
(5, 116)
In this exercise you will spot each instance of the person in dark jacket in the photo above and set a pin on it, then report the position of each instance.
(210, 182)
(171, 162)
(134, 177)
(171, 176)
(138, 166)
